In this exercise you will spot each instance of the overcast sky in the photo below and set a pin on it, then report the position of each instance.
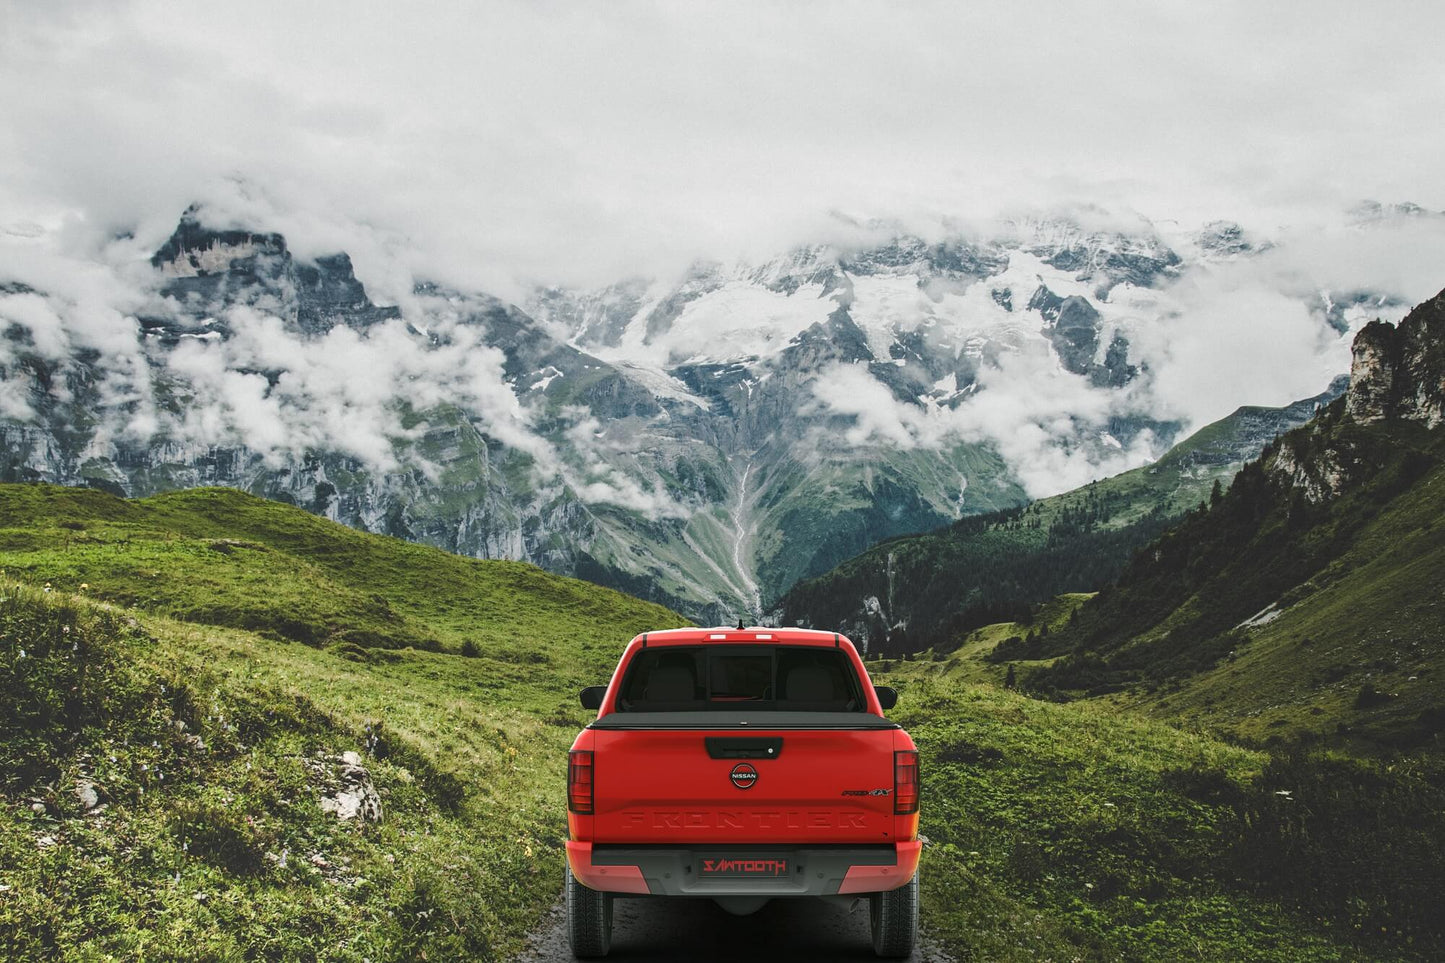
(482, 143)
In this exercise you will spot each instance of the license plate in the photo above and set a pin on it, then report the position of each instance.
(714, 867)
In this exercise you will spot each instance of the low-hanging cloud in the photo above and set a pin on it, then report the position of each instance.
(1246, 330)
(1047, 424)
(274, 390)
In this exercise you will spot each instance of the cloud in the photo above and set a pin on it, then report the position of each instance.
(599, 463)
(345, 391)
(490, 146)
(1253, 331)
(487, 144)
(1047, 424)
(267, 387)
(1243, 331)
(281, 393)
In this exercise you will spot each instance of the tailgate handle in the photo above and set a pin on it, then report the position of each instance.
(737, 747)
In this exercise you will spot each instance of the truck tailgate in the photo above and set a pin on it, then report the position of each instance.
(683, 786)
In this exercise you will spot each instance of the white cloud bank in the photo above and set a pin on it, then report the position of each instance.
(489, 142)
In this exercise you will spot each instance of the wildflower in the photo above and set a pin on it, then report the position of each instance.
(84, 586)
(65, 630)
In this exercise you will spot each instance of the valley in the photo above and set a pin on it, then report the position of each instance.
(372, 374)
(224, 654)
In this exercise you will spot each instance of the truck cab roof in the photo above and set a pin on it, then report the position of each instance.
(732, 634)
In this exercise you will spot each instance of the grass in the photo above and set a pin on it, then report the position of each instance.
(221, 850)
(1075, 831)
(206, 696)
(1371, 620)
(970, 663)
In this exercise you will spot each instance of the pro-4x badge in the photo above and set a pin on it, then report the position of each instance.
(868, 792)
(743, 775)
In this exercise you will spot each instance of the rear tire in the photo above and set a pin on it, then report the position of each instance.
(589, 920)
(895, 920)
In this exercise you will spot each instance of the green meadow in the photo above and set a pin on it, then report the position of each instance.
(182, 675)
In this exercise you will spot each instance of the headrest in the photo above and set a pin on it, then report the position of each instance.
(671, 683)
(809, 683)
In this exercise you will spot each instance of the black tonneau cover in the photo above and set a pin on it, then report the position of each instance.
(743, 720)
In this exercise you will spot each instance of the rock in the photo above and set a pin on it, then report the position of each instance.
(356, 797)
(1372, 372)
(1398, 371)
(87, 795)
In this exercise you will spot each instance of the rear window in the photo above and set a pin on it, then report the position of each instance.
(680, 678)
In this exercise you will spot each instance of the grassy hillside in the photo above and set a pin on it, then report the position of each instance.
(209, 717)
(1075, 831)
(928, 591)
(1277, 616)
(163, 773)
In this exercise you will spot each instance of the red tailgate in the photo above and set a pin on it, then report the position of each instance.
(665, 786)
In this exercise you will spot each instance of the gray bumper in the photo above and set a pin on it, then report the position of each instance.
(733, 870)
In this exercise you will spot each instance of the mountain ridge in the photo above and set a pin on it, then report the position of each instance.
(683, 440)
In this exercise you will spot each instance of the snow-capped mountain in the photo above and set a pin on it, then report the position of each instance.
(704, 441)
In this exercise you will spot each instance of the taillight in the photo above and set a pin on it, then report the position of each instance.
(905, 782)
(579, 782)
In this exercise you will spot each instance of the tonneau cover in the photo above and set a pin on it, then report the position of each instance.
(743, 720)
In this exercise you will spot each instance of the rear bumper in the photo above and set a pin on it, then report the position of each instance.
(733, 870)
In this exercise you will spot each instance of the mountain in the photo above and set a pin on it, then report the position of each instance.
(704, 442)
(1306, 599)
(925, 591)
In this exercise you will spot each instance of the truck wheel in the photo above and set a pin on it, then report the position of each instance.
(895, 920)
(589, 919)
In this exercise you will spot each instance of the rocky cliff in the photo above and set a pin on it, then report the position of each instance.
(1397, 375)
(1398, 371)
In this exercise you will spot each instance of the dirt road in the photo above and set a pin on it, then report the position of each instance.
(696, 929)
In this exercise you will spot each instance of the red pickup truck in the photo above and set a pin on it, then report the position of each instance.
(742, 765)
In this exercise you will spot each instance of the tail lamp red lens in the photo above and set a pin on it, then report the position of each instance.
(905, 782)
(579, 781)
